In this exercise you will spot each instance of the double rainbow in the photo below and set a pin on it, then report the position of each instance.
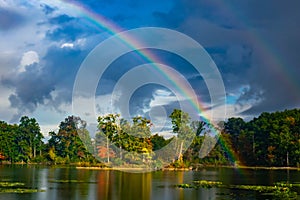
(111, 28)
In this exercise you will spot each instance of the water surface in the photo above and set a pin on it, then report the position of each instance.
(72, 183)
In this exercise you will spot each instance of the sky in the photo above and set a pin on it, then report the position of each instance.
(43, 43)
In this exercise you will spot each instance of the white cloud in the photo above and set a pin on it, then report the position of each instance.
(78, 43)
(67, 45)
(45, 129)
(164, 97)
(167, 134)
(162, 100)
(81, 42)
(28, 58)
(232, 110)
(28, 37)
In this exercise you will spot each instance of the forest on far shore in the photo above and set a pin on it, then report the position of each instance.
(271, 139)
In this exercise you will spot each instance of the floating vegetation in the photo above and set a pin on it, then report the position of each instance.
(201, 184)
(17, 187)
(284, 190)
(279, 190)
(19, 190)
(11, 184)
(207, 184)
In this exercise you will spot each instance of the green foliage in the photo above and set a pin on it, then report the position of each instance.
(179, 119)
(30, 137)
(21, 143)
(66, 145)
(158, 142)
(134, 138)
(271, 139)
(198, 127)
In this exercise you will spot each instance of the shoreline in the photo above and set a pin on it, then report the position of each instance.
(189, 169)
(128, 168)
(262, 167)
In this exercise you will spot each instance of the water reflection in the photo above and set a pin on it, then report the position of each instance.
(119, 185)
(71, 183)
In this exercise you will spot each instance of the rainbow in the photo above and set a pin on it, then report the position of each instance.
(262, 47)
(232, 156)
(111, 28)
(266, 51)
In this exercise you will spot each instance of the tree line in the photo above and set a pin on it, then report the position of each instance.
(272, 139)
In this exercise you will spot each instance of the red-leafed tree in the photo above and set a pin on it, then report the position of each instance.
(2, 157)
(104, 152)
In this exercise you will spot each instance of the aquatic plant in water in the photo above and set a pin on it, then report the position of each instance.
(200, 184)
(10, 184)
(16, 187)
(279, 190)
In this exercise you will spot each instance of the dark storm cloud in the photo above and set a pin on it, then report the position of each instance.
(61, 67)
(10, 19)
(127, 14)
(68, 33)
(34, 86)
(31, 89)
(220, 34)
(70, 28)
(141, 99)
(206, 9)
(274, 75)
(48, 9)
(246, 39)
(143, 96)
(254, 43)
(61, 19)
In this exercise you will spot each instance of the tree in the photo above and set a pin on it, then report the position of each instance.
(198, 127)
(180, 122)
(31, 137)
(141, 130)
(158, 142)
(234, 126)
(2, 157)
(192, 153)
(108, 126)
(179, 119)
(67, 143)
(140, 127)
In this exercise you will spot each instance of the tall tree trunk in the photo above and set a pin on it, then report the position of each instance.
(180, 152)
(121, 156)
(40, 148)
(30, 150)
(177, 147)
(253, 145)
(107, 147)
(287, 159)
(34, 151)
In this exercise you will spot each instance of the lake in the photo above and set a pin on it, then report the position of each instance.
(72, 183)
